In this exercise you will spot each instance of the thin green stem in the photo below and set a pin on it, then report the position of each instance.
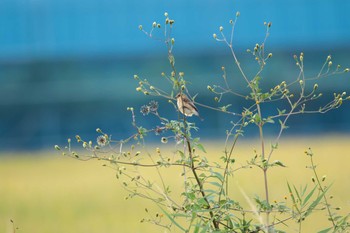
(228, 160)
(322, 190)
(265, 167)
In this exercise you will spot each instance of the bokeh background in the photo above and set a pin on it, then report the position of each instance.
(67, 66)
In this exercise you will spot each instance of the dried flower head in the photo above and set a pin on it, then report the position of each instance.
(153, 106)
(145, 110)
(102, 140)
(158, 130)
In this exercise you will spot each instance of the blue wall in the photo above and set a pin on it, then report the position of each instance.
(56, 28)
(66, 66)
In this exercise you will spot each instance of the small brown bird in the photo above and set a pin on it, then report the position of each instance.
(186, 106)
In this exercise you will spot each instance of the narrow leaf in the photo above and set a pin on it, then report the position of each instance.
(297, 193)
(325, 230)
(309, 195)
(200, 146)
(315, 202)
(172, 219)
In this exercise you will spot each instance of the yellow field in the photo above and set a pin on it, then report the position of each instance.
(51, 193)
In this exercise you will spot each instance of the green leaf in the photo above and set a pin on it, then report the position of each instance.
(202, 202)
(309, 195)
(297, 193)
(200, 146)
(281, 112)
(172, 219)
(205, 228)
(196, 228)
(190, 196)
(216, 184)
(224, 108)
(274, 146)
(325, 230)
(181, 215)
(304, 190)
(281, 123)
(181, 154)
(292, 196)
(269, 120)
(279, 163)
(230, 222)
(218, 175)
(316, 202)
(210, 192)
(256, 118)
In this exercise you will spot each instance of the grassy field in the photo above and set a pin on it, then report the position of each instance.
(46, 192)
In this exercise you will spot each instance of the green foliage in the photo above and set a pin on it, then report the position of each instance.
(206, 203)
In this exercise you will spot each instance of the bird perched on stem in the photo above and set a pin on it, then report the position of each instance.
(186, 106)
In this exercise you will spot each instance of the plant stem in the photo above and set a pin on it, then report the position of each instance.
(228, 160)
(189, 148)
(267, 200)
(265, 166)
(322, 190)
(200, 184)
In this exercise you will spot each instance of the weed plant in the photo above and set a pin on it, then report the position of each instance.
(206, 201)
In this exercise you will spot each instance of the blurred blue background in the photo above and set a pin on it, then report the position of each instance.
(67, 66)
